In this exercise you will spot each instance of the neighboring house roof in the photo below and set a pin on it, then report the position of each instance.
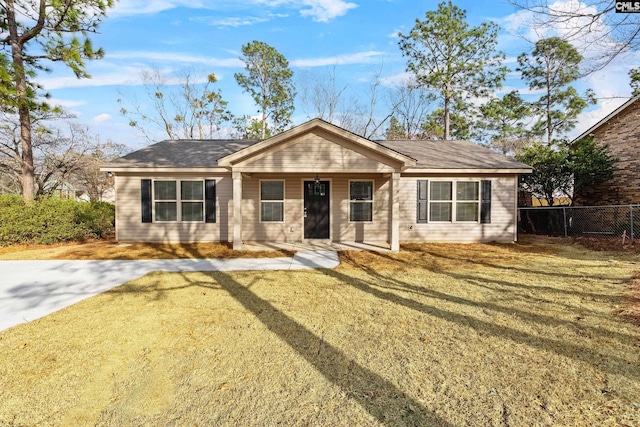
(611, 115)
(419, 155)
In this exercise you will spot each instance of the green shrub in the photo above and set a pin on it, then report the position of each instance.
(99, 217)
(52, 220)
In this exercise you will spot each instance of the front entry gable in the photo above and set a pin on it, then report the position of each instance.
(317, 146)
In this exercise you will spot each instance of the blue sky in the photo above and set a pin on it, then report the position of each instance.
(359, 37)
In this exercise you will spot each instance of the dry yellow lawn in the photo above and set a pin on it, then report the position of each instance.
(111, 250)
(445, 335)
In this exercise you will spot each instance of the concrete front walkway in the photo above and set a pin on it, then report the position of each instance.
(32, 289)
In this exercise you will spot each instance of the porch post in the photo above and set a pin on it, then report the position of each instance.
(237, 211)
(394, 190)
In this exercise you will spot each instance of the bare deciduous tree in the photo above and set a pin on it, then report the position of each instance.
(88, 176)
(321, 95)
(410, 105)
(55, 27)
(592, 26)
(186, 107)
(62, 153)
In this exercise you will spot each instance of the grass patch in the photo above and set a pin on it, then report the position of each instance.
(111, 250)
(447, 335)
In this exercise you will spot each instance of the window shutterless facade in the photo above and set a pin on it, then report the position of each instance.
(272, 201)
(178, 200)
(454, 201)
(361, 201)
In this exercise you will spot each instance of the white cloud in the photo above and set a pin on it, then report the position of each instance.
(356, 58)
(126, 76)
(173, 58)
(146, 7)
(236, 21)
(64, 103)
(590, 38)
(100, 118)
(318, 10)
(326, 10)
(398, 80)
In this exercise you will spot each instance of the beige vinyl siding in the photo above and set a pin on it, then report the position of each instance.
(318, 153)
(377, 230)
(129, 225)
(503, 206)
(253, 229)
(292, 228)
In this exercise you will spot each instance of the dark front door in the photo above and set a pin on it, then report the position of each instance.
(316, 210)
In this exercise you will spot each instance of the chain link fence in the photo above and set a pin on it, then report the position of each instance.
(614, 222)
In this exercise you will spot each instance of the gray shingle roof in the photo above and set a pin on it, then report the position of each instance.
(431, 154)
(183, 153)
(205, 154)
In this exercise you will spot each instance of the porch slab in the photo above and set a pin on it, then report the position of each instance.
(317, 245)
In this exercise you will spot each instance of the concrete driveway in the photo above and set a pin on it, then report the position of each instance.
(32, 289)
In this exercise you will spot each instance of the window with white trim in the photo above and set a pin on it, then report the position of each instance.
(361, 201)
(165, 197)
(191, 201)
(440, 201)
(467, 201)
(178, 201)
(272, 201)
(454, 201)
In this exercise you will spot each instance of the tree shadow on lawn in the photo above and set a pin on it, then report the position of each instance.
(475, 261)
(398, 285)
(607, 362)
(378, 396)
(391, 283)
(534, 288)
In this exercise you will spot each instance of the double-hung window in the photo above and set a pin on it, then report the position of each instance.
(454, 201)
(272, 201)
(361, 201)
(178, 201)
(165, 196)
(191, 201)
(467, 201)
(440, 201)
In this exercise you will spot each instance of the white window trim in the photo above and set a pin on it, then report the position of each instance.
(284, 197)
(372, 201)
(178, 201)
(454, 202)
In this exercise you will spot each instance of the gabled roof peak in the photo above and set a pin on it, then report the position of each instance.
(611, 115)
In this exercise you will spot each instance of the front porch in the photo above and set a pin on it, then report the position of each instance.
(318, 245)
(349, 211)
(338, 161)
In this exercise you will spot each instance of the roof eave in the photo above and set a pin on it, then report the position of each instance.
(611, 115)
(492, 171)
(160, 169)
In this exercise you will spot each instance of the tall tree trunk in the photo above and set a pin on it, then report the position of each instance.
(549, 122)
(264, 123)
(28, 174)
(447, 117)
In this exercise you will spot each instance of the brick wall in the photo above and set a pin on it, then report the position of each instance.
(622, 133)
